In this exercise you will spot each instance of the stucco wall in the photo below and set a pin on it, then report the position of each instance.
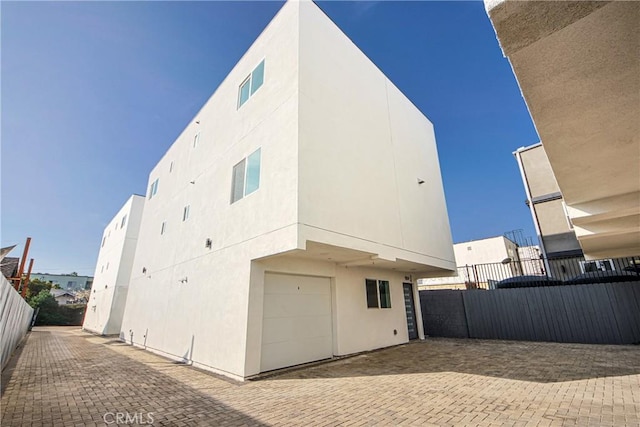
(363, 147)
(15, 319)
(192, 301)
(356, 328)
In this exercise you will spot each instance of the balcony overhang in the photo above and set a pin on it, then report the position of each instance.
(578, 67)
(352, 258)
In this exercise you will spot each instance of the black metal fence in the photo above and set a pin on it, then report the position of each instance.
(593, 313)
(573, 270)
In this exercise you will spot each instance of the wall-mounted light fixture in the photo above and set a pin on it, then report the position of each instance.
(208, 243)
(144, 270)
(420, 181)
(197, 122)
(185, 279)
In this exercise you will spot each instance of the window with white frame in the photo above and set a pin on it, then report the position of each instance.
(185, 213)
(154, 188)
(378, 293)
(251, 84)
(246, 176)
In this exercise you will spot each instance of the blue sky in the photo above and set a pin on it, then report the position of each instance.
(93, 94)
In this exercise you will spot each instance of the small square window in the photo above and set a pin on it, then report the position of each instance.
(378, 293)
(251, 84)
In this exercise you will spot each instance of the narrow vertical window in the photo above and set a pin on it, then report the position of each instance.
(153, 189)
(185, 213)
(171, 167)
(245, 88)
(385, 295)
(252, 182)
(196, 139)
(257, 77)
(372, 293)
(163, 227)
(103, 240)
(237, 182)
(124, 221)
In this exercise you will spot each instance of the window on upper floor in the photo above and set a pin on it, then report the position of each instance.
(251, 84)
(163, 227)
(154, 188)
(196, 139)
(123, 222)
(170, 167)
(185, 212)
(378, 293)
(246, 176)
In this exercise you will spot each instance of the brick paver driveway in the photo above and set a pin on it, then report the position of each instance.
(63, 376)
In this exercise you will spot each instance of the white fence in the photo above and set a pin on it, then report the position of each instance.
(15, 319)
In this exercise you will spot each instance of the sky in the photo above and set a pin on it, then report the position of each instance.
(94, 93)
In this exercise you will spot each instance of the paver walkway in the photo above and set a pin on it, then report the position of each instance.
(62, 376)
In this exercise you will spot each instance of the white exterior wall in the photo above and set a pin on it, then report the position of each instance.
(113, 270)
(363, 147)
(204, 319)
(356, 328)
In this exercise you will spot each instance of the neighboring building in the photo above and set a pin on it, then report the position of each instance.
(63, 297)
(9, 267)
(481, 263)
(555, 231)
(69, 282)
(577, 64)
(108, 296)
(289, 220)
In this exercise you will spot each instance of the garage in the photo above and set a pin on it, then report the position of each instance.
(296, 327)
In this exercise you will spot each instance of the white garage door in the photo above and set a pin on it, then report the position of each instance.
(297, 321)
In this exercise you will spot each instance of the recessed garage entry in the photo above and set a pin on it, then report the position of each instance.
(296, 327)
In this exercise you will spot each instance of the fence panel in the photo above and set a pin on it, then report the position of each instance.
(443, 313)
(596, 313)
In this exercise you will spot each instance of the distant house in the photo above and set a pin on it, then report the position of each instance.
(63, 297)
(9, 266)
(482, 262)
(67, 282)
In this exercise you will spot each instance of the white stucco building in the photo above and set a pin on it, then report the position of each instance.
(577, 64)
(485, 261)
(289, 220)
(113, 270)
